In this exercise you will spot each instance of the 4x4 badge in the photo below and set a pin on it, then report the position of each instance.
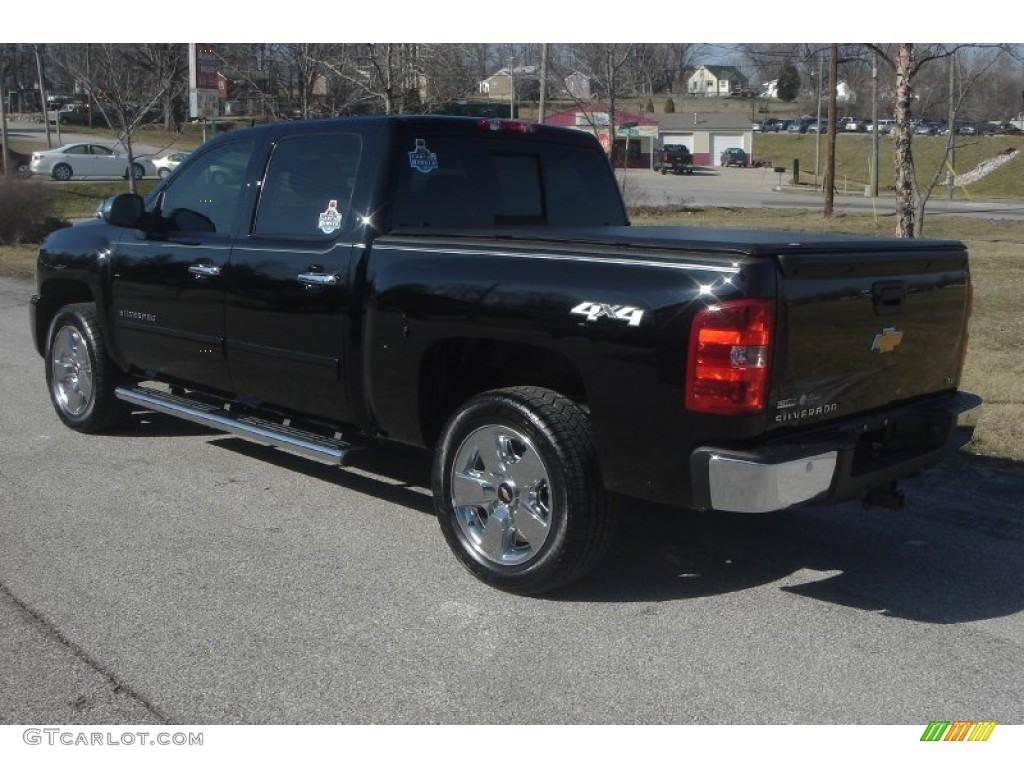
(887, 340)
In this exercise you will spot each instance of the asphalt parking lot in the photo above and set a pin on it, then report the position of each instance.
(169, 574)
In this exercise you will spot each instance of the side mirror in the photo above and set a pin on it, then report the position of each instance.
(124, 210)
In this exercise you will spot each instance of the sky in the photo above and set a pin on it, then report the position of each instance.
(753, 21)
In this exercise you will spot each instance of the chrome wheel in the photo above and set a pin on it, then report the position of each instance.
(500, 491)
(62, 172)
(80, 376)
(72, 380)
(518, 492)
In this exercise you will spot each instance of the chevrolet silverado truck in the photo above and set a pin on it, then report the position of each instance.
(474, 288)
(675, 158)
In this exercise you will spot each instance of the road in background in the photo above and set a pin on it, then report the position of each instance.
(170, 574)
(761, 188)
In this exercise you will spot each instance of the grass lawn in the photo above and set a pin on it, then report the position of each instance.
(853, 161)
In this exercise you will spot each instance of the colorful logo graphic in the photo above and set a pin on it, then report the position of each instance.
(330, 220)
(422, 159)
(958, 730)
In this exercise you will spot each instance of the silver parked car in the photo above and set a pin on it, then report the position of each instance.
(167, 163)
(89, 160)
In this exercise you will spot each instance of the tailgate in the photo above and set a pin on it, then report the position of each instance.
(859, 330)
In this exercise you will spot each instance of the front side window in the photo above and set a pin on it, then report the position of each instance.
(307, 189)
(204, 195)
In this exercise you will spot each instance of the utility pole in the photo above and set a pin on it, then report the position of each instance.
(952, 125)
(42, 94)
(874, 125)
(543, 82)
(3, 114)
(817, 135)
(3, 119)
(511, 87)
(829, 182)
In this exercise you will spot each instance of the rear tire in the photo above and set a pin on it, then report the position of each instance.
(62, 172)
(517, 490)
(79, 375)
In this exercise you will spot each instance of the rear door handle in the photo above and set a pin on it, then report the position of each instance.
(204, 270)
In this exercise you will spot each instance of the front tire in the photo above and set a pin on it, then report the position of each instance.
(517, 490)
(79, 375)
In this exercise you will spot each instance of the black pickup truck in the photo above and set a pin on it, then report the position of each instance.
(473, 287)
(675, 158)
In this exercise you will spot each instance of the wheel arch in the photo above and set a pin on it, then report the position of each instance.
(56, 294)
(454, 370)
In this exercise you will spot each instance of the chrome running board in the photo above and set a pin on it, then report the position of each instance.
(257, 429)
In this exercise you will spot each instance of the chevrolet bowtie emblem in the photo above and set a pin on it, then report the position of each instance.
(887, 340)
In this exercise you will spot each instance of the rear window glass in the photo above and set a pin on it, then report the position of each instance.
(456, 182)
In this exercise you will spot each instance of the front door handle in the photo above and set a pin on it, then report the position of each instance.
(317, 278)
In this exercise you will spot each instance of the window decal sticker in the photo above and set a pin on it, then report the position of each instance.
(330, 220)
(421, 158)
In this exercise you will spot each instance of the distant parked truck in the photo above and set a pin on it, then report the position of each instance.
(675, 158)
(70, 114)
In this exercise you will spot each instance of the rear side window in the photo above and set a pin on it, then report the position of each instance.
(460, 182)
(307, 189)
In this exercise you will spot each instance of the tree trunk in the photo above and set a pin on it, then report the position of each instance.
(904, 158)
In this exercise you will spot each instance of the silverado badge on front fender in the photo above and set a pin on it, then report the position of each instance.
(887, 340)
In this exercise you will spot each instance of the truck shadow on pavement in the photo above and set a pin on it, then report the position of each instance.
(952, 555)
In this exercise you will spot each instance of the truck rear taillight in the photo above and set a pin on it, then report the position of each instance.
(727, 368)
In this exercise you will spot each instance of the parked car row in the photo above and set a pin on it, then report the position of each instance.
(91, 160)
(863, 125)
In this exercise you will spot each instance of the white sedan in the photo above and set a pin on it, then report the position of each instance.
(164, 165)
(64, 163)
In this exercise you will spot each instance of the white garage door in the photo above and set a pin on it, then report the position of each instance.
(721, 142)
(686, 139)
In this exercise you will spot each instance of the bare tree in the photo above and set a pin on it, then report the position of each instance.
(124, 92)
(166, 63)
(906, 60)
(607, 64)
